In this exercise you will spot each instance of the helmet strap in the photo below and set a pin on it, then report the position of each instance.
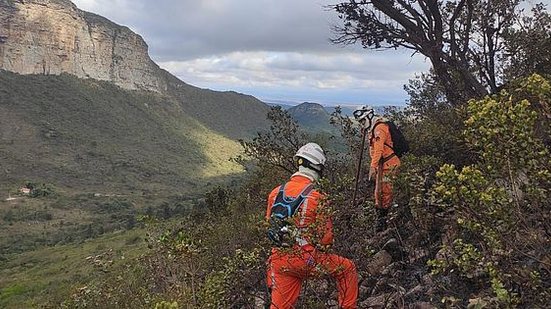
(309, 173)
(305, 163)
(370, 122)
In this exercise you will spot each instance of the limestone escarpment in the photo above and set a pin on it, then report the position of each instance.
(54, 36)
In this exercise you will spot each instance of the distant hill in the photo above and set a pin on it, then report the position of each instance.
(229, 113)
(345, 109)
(282, 105)
(314, 116)
(311, 116)
(348, 110)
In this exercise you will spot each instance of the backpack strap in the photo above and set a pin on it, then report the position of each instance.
(389, 157)
(291, 204)
(373, 133)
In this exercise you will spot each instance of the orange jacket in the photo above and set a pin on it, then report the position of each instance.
(314, 224)
(379, 142)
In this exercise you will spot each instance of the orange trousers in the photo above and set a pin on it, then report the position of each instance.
(286, 272)
(383, 187)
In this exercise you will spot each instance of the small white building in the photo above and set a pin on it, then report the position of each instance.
(25, 190)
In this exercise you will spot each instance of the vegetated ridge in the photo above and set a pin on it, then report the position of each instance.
(141, 129)
(311, 116)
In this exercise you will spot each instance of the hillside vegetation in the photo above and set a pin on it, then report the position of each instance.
(469, 233)
(117, 218)
(312, 116)
(98, 159)
(94, 136)
(228, 113)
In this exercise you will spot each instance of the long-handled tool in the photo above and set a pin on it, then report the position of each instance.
(359, 168)
(379, 182)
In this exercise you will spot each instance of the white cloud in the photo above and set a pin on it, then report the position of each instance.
(267, 48)
(186, 29)
(373, 73)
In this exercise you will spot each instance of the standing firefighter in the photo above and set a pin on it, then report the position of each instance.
(301, 230)
(386, 145)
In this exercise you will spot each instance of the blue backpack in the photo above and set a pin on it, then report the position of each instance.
(283, 208)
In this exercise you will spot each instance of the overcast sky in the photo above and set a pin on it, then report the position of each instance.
(272, 49)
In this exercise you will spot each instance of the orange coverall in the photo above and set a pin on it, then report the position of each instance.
(384, 161)
(288, 267)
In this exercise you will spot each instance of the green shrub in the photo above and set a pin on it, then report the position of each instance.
(166, 305)
(114, 205)
(499, 204)
(224, 288)
(40, 190)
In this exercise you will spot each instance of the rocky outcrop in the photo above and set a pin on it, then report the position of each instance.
(379, 262)
(54, 36)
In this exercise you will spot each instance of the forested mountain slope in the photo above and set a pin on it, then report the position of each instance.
(126, 124)
(93, 135)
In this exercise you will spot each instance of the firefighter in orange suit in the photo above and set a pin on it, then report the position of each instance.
(307, 256)
(384, 162)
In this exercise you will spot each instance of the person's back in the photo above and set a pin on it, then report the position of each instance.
(384, 161)
(381, 146)
(287, 267)
(311, 213)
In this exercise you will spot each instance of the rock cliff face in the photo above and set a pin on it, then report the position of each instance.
(54, 36)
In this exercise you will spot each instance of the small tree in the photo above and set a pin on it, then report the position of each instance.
(528, 46)
(501, 204)
(275, 148)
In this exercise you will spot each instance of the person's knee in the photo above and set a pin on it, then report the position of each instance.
(351, 267)
(347, 266)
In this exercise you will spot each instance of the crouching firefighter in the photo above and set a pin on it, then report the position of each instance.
(386, 146)
(301, 230)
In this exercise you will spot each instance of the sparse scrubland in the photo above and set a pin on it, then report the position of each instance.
(118, 216)
(96, 158)
(472, 229)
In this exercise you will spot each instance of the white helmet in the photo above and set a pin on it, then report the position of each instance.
(313, 153)
(364, 112)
